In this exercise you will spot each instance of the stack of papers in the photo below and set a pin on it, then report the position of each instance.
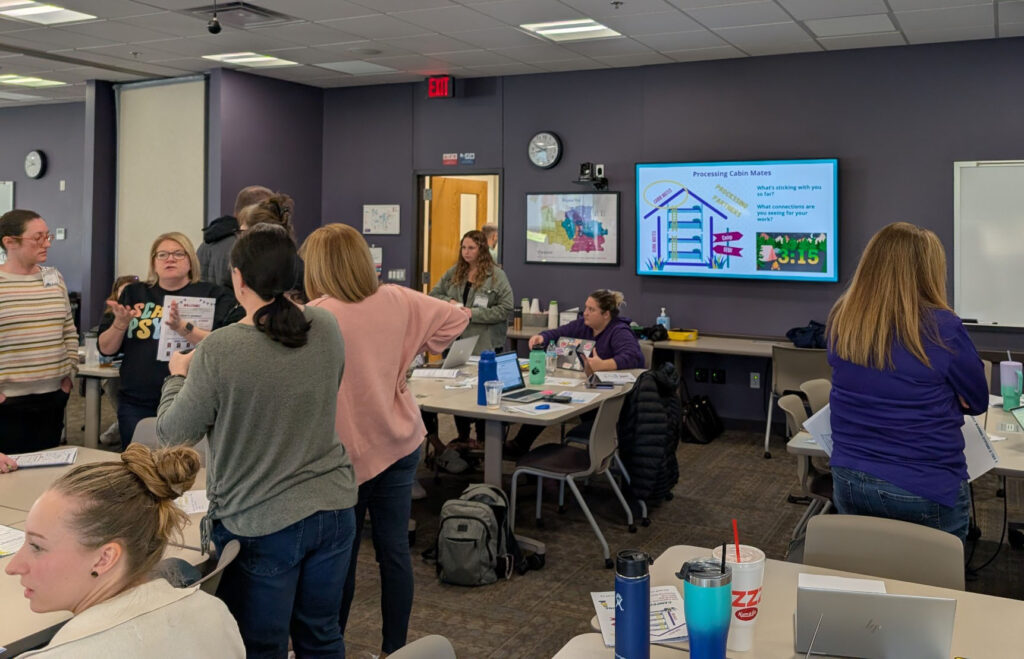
(11, 540)
(536, 409)
(440, 373)
(64, 456)
(667, 622)
(580, 397)
(193, 501)
(615, 377)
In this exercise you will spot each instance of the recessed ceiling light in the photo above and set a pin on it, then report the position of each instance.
(29, 81)
(577, 30)
(250, 59)
(37, 12)
(358, 67)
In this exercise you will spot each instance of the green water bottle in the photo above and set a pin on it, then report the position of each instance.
(537, 366)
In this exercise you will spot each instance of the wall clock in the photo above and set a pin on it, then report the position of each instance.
(545, 149)
(35, 164)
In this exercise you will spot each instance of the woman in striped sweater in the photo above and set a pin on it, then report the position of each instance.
(38, 340)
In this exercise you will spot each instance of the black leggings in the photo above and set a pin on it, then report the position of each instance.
(33, 422)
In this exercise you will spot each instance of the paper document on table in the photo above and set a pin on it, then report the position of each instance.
(563, 382)
(193, 501)
(11, 540)
(829, 582)
(196, 310)
(580, 397)
(64, 456)
(981, 457)
(538, 409)
(995, 401)
(667, 621)
(615, 377)
(820, 427)
(440, 373)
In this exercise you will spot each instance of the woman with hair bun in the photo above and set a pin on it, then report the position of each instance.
(264, 391)
(278, 209)
(91, 541)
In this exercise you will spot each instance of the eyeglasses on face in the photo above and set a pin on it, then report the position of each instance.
(177, 255)
(39, 238)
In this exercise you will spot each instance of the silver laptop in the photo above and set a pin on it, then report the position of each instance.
(460, 352)
(513, 387)
(873, 625)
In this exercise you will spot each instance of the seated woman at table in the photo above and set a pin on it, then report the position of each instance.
(904, 373)
(264, 391)
(91, 541)
(615, 348)
(139, 315)
(378, 420)
(38, 339)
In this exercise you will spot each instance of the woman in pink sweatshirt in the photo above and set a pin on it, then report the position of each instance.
(384, 328)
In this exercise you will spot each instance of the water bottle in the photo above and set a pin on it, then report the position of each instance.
(552, 314)
(487, 371)
(538, 359)
(663, 320)
(552, 357)
(632, 605)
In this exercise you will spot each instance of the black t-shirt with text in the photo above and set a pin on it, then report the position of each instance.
(142, 375)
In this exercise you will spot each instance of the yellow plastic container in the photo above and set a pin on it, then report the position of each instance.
(682, 335)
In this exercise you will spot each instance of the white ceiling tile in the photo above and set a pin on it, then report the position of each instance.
(581, 64)
(232, 41)
(806, 10)
(761, 12)
(51, 39)
(681, 41)
(175, 5)
(473, 58)
(1011, 30)
(414, 63)
(142, 68)
(358, 50)
(448, 19)
(506, 69)
(1011, 12)
(863, 41)
(291, 73)
(23, 64)
(314, 10)
(695, 4)
(701, 54)
(500, 37)
(537, 53)
(139, 52)
(660, 22)
(13, 26)
(608, 47)
(518, 12)
(945, 19)
(107, 8)
(377, 26)
(850, 25)
(769, 39)
(967, 33)
(391, 6)
(601, 9)
(178, 25)
(306, 34)
(906, 5)
(115, 31)
(196, 64)
(641, 59)
(429, 43)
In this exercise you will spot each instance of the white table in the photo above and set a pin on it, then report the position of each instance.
(93, 375)
(985, 626)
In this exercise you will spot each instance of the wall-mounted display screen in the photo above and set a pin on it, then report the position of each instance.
(756, 220)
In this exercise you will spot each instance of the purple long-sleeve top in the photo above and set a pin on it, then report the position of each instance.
(903, 425)
(616, 341)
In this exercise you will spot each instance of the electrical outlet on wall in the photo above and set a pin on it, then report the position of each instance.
(718, 376)
(700, 375)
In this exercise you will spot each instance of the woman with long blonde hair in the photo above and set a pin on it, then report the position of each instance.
(904, 372)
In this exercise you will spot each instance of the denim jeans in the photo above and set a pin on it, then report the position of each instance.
(129, 414)
(388, 498)
(290, 582)
(857, 493)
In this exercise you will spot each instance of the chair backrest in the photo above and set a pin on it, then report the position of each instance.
(887, 548)
(817, 392)
(793, 366)
(210, 582)
(428, 647)
(647, 348)
(796, 414)
(604, 438)
(145, 433)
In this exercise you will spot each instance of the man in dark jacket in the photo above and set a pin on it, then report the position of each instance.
(219, 238)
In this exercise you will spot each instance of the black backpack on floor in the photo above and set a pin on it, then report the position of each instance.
(701, 423)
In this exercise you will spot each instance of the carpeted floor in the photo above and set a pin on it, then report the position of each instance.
(535, 614)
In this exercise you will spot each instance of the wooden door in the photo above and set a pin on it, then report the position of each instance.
(446, 208)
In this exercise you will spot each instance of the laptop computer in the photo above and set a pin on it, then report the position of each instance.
(513, 387)
(873, 625)
(459, 352)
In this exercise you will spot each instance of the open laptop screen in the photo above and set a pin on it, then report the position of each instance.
(508, 371)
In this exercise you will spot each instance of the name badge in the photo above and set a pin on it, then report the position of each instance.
(50, 277)
(480, 301)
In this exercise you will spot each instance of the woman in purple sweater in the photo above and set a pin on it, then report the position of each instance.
(904, 372)
(615, 348)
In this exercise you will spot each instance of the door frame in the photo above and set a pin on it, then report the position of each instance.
(417, 182)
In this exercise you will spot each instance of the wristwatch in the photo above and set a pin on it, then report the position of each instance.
(189, 327)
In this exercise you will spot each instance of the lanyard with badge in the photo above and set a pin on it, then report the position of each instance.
(50, 277)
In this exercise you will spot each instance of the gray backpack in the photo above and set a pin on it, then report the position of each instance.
(474, 543)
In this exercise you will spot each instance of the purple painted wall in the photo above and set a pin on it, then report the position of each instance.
(59, 132)
(268, 132)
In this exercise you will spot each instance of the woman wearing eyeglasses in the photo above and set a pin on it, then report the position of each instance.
(140, 318)
(38, 340)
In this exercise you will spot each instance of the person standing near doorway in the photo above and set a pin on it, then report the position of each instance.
(491, 233)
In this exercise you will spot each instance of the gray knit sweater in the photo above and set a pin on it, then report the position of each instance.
(269, 413)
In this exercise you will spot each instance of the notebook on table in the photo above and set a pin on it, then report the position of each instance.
(513, 387)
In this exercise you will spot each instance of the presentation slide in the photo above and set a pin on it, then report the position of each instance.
(755, 220)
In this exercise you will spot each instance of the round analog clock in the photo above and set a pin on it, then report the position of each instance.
(35, 164)
(545, 149)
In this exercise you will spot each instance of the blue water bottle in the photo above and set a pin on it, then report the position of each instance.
(632, 605)
(487, 371)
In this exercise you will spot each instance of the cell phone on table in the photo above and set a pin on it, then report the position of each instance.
(583, 361)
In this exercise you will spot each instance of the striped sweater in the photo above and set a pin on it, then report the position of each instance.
(38, 339)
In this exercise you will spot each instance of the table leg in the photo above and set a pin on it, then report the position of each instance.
(493, 436)
(92, 413)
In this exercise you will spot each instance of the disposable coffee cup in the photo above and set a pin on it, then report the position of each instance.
(747, 582)
(492, 390)
(92, 352)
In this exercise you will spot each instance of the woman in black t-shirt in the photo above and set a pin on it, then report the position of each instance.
(139, 316)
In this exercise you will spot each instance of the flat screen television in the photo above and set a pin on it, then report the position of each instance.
(773, 219)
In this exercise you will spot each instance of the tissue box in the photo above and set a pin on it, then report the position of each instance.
(535, 320)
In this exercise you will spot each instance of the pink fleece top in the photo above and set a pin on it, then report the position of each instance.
(378, 420)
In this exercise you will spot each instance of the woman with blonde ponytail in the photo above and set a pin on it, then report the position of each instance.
(91, 542)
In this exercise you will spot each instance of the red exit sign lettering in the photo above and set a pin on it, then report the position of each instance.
(440, 87)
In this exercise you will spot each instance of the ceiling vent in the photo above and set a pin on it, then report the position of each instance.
(242, 15)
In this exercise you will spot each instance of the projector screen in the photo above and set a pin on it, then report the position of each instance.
(754, 220)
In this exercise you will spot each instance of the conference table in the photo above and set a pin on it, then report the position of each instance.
(985, 626)
(20, 627)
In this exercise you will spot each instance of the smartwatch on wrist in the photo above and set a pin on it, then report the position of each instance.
(189, 327)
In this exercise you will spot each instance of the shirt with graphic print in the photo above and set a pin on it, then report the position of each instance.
(141, 374)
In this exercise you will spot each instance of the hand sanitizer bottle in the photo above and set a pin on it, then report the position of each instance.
(663, 320)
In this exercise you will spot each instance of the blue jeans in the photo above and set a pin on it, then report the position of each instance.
(290, 582)
(857, 493)
(129, 413)
(388, 498)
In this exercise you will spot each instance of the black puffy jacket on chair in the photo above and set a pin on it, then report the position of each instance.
(649, 433)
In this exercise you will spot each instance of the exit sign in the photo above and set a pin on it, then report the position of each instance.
(440, 87)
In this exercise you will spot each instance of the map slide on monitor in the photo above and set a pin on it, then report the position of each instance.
(572, 228)
(760, 220)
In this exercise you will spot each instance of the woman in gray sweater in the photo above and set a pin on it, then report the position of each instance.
(277, 477)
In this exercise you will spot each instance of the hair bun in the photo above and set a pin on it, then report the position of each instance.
(167, 473)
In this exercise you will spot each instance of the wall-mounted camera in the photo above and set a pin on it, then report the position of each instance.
(214, 26)
(591, 174)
